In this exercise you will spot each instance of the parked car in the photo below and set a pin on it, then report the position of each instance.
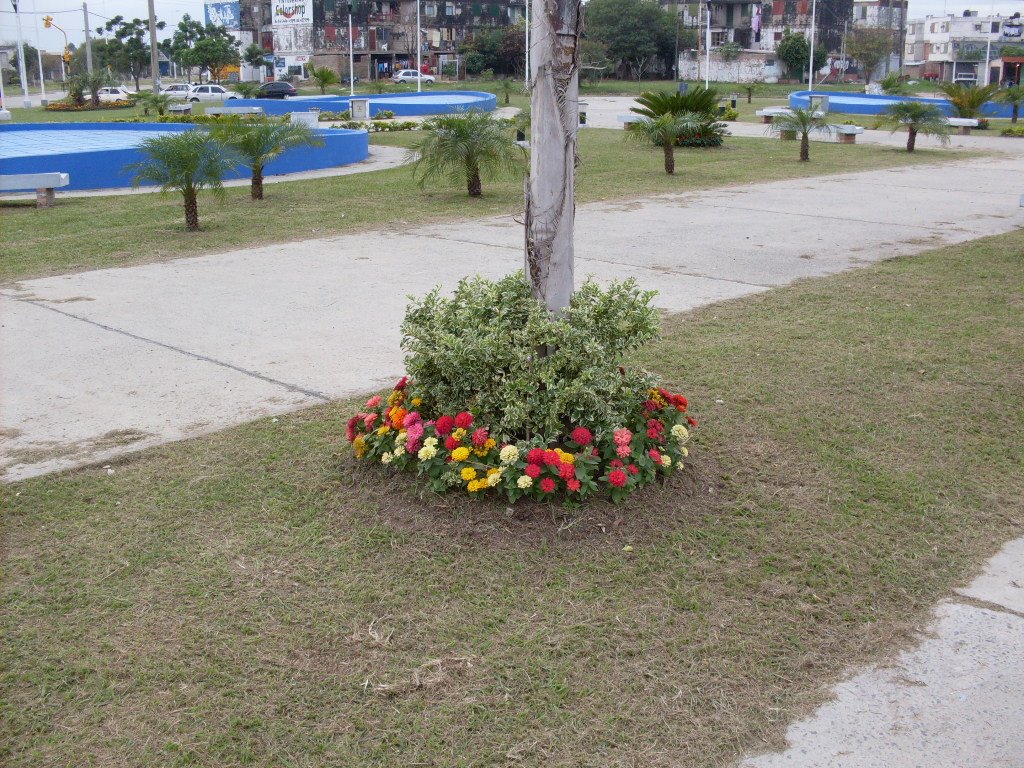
(278, 89)
(114, 93)
(176, 90)
(411, 76)
(210, 92)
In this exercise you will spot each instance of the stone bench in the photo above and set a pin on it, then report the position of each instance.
(42, 183)
(180, 109)
(847, 134)
(964, 124)
(768, 114)
(628, 120)
(235, 111)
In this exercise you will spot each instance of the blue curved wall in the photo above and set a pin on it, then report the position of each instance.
(867, 104)
(402, 104)
(106, 168)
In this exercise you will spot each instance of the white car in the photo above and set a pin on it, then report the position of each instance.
(210, 92)
(176, 90)
(411, 76)
(114, 93)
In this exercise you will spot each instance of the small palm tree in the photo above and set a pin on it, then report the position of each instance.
(967, 100)
(324, 77)
(657, 103)
(258, 143)
(246, 88)
(1013, 95)
(507, 86)
(918, 117)
(663, 131)
(465, 146)
(894, 84)
(803, 122)
(188, 162)
(158, 102)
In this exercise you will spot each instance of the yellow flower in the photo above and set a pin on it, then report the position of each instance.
(468, 473)
(476, 485)
(481, 452)
(384, 430)
(359, 444)
(509, 454)
(401, 437)
(493, 477)
(460, 454)
(680, 433)
(567, 458)
(490, 443)
(386, 458)
(459, 434)
(666, 460)
(427, 452)
(417, 401)
(493, 471)
(431, 441)
(685, 451)
(524, 482)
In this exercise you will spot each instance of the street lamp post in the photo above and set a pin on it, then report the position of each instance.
(419, 50)
(707, 47)
(39, 52)
(810, 58)
(526, 78)
(351, 57)
(27, 102)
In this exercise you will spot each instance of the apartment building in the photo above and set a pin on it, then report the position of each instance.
(956, 48)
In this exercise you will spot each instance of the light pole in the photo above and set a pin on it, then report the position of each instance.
(526, 78)
(351, 57)
(27, 102)
(988, 49)
(39, 52)
(419, 50)
(707, 46)
(48, 23)
(810, 57)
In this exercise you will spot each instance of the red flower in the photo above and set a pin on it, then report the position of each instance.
(655, 456)
(680, 402)
(567, 471)
(547, 485)
(402, 383)
(581, 436)
(451, 443)
(532, 470)
(632, 469)
(653, 433)
(655, 424)
(594, 452)
(573, 485)
(650, 405)
(535, 456)
(350, 430)
(616, 463)
(551, 458)
(444, 425)
(617, 478)
(480, 437)
(464, 420)
(693, 421)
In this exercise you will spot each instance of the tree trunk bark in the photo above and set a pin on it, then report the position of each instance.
(911, 139)
(191, 210)
(670, 158)
(473, 184)
(805, 148)
(550, 187)
(1016, 112)
(256, 187)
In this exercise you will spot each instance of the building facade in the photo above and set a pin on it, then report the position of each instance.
(956, 48)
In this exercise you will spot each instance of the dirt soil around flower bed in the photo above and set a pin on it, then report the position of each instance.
(256, 597)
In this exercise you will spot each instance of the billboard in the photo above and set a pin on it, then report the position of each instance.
(224, 15)
(293, 13)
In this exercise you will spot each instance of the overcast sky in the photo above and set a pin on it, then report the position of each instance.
(68, 14)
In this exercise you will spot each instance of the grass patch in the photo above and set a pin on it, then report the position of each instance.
(252, 598)
(91, 232)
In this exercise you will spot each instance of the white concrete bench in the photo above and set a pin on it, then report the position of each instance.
(628, 120)
(235, 111)
(847, 134)
(42, 183)
(180, 109)
(770, 113)
(963, 123)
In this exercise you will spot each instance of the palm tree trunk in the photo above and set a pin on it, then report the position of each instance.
(473, 184)
(191, 210)
(911, 138)
(1016, 111)
(256, 187)
(805, 148)
(670, 158)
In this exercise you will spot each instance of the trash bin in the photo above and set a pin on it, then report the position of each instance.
(683, 87)
(583, 112)
(360, 109)
(733, 98)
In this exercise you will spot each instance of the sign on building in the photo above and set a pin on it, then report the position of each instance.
(294, 13)
(227, 15)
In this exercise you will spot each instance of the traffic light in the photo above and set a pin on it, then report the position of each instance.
(47, 21)
(67, 56)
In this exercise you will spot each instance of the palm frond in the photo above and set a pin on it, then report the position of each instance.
(257, 143)
(189, 160)
(920, 116)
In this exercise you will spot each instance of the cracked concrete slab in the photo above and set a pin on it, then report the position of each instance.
(1002, 583)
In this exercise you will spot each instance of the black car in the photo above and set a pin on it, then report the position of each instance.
(278, 89)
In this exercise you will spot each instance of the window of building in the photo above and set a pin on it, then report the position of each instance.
(995, 26)
(977, 27)
(430, 9)
(863, 13)
(778, 37)
(719, 38)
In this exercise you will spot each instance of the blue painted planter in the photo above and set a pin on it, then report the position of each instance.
(867, 104)
(402, 104)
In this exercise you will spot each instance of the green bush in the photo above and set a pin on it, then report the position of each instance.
(1016, 130)
(384, 114)
(327, 116)
(729, 114)
(478, 351)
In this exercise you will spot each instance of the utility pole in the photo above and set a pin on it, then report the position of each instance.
(419, 49)
(351, 57)
(88, 42)
(39, 52)
(707, 50)
(810, 62)
(22, 73)
(526, 77)
(154, 54)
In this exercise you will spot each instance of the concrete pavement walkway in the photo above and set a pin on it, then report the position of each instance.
(103, 362)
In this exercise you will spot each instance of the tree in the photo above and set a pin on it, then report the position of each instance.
(158, 102)
(638, 33)
(918, 117)
(967, 100)
(129, 51)
(245, 89)
(186, 35)
(752, 87)
(465, 147)
(894, 84)
(802, 121)
(255, 56)
(324, 77)
(869, 46)
(258, 143)
(1013, 96)
(189, 162)
(84, 82)
(794, 49)
(215, 50)
(663, 131)
(697, 100)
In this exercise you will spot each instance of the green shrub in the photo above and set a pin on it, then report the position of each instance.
(478, 351)
(384, 114)
(729, 114)
(327, 116)
(1016, 130)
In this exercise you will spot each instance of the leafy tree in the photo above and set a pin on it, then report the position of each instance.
(869, 46)
(158, 102)
(215, 50)
(1013, 95)
(637, 33)
(185, 36)
(465, 147)
(129, 51)
(803, 122)
(324, 77)
(967, 100)
(697, 100)
(189, 162)
(593, 59)
(894, 84)
(663, 131)
(476, 63)
(258, 143)
(794, 49)
(918, 117)
(751, 88)
(254, 55)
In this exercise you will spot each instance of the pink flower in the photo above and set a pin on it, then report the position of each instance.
(617, 478)
(532, 470)
(623, 436)
(480, 437)
(413, 417)
(617, 463)
(581, 436)
(572, 485)
(413, 446)
(656, 425)
(623, 450)
(632, 469)
(655, 456)
(373, 402)
(653, 434)
(350, 430)
(369, 419)
(547, 485)
(415, 432)
(566, 471)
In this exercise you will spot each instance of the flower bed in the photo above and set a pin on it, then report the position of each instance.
(70, 106)
(455, 451)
